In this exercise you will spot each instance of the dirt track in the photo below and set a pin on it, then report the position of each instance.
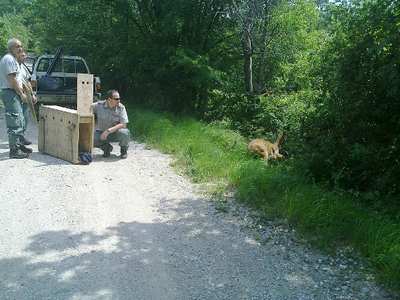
(134, 229)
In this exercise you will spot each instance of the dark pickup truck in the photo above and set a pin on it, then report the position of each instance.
(55, 82)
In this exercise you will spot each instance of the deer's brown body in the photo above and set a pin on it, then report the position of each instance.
(265, 148)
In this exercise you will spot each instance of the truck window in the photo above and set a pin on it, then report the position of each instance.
(69, 66)
(80, 67)
(44, 65)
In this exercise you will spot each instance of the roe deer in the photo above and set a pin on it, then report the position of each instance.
(265, 148)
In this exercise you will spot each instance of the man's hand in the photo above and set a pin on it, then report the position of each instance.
(104, 135)
(27, 89)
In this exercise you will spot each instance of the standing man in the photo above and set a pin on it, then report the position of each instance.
(111, 119)
(13, 95)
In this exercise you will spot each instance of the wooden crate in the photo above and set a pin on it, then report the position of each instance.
(64, 133)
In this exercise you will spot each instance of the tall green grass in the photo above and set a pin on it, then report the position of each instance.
(205, 153)
(210, 153)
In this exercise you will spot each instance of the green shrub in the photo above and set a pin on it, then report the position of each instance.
(353, 139)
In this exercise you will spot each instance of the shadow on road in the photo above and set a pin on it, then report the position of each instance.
(182, 258)
(47, 160)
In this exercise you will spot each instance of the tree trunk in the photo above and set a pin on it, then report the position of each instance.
(261, 70)
(248, 61)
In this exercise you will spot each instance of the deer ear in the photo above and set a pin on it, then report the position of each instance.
(280, 138)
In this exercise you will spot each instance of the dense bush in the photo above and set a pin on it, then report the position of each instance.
(239, 111)
(353, 140)
(185, 81)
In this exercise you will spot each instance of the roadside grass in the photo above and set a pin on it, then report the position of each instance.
(209, 153)
(205, 153)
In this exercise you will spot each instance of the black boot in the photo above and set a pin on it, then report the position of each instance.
(24, 141)
(25, 149)
(107, 148)
(15, 152)
(124, 152)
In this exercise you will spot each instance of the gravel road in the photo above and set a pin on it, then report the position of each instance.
(134, 229)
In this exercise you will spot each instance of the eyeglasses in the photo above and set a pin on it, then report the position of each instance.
(116, 99)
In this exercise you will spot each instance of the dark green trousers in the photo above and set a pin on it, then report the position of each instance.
(121, 136)
(15, 120)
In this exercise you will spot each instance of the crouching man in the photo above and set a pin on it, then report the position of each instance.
(111, 119)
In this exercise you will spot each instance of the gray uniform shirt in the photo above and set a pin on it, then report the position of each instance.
(8, 65)
(107, 117)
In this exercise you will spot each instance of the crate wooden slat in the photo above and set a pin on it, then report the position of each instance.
(63, 133)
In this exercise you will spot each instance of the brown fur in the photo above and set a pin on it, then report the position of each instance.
(265, 148)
